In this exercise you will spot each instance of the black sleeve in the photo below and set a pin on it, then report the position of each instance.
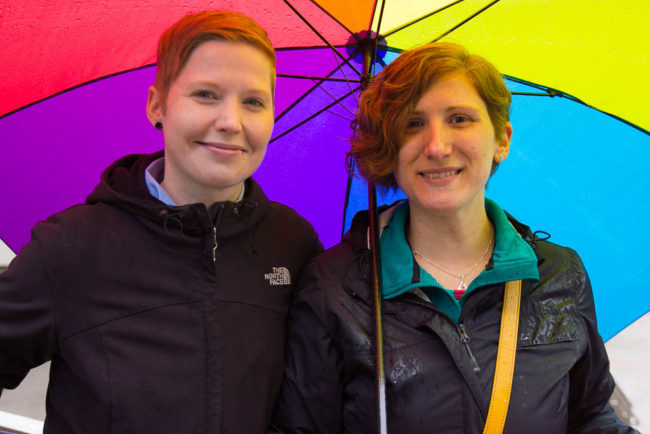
(310, 400)
(591, 384)
(26, 316)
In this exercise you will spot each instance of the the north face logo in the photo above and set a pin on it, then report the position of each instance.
(279, 276)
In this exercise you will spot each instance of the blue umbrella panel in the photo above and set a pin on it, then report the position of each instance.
(581, 176)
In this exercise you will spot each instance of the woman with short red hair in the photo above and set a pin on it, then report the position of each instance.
(161, 301)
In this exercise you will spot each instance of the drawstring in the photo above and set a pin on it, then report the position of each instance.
(545, 236)
(172, 220)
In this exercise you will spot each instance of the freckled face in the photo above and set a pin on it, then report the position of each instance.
(447, 147)
(217, 122)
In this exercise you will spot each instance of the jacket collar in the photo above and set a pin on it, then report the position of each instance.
(512, 258)
(123, 186)
(357, 236)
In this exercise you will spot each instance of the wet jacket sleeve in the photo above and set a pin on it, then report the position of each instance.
(26, 317)
(591, 384)
(311, 396)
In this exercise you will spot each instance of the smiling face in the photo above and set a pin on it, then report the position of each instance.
(217, 121)
(446, 149)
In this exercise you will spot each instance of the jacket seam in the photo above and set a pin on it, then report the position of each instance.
(110, 385)
(252, 305)
(125, 316)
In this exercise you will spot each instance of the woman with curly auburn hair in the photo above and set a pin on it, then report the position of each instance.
(464, 283)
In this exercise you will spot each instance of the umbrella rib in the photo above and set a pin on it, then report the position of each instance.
(334, 50)
(552, 93)
(546, 91)
(480, 11)
(424, 17)
(309, 77)
(345, 76)
(334, 19)
(77, 86)
(334, 98)
(304, 96)
(327, 107)
(374, 52)
(320, 36)
(339, 115)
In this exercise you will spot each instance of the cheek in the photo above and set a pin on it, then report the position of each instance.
(260, 131)
(401, 169)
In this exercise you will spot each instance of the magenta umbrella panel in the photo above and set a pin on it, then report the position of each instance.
(55, 150)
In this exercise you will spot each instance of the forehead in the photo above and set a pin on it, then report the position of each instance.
(450, 88)
(218, 60)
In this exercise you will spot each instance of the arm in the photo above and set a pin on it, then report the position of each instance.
(311, 396)
(26, 317)
(591, 384)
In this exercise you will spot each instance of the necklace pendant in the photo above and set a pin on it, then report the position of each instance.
(462, 286)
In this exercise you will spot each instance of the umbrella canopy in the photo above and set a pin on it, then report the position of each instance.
(75, 77)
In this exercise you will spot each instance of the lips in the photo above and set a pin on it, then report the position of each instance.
(222, 148)
(439, 173)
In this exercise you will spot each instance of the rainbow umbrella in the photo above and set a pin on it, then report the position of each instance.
(75, 75)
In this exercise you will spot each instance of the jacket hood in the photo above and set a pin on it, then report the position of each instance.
(123, 186)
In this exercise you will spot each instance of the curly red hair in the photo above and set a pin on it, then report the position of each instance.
(395, 91)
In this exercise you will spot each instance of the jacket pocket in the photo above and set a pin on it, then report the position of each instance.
(548, 326)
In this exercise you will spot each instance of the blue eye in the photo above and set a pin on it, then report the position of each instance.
(255, 102)
(204, 94)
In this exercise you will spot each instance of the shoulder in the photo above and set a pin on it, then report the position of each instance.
(279, 211)
(333, 276)
(335, 260)
(559, 261)
(82, 218)
(554, 261)
(290, 228)
(278, 217)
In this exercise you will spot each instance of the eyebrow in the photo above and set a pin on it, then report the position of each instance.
(218, 86)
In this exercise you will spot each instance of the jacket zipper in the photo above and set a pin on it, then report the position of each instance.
(464, 339)
(214, 248)
(214, 233)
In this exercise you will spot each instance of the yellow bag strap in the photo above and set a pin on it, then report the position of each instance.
(505, 365)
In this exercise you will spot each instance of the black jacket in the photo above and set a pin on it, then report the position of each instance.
(561, 379)
(157, 319)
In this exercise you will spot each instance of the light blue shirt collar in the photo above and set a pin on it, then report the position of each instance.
(154, 175)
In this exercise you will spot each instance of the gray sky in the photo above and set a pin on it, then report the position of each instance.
(6, 254)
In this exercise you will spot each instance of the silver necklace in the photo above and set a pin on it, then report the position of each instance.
(461, 285)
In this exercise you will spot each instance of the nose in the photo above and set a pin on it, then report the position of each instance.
(437, 141)
(228, 117)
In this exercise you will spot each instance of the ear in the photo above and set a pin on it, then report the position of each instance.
(503, 145)
(155, 112)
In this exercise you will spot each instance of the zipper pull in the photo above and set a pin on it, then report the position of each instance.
(214, 249)
(464, 339)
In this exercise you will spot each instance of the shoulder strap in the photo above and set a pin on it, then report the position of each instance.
(505, 365)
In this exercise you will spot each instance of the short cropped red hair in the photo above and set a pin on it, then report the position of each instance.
(178, 42)
(395, 91)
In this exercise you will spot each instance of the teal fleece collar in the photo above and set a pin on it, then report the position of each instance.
(512, 258)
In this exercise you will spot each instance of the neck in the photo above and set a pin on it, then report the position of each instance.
(452, 241)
